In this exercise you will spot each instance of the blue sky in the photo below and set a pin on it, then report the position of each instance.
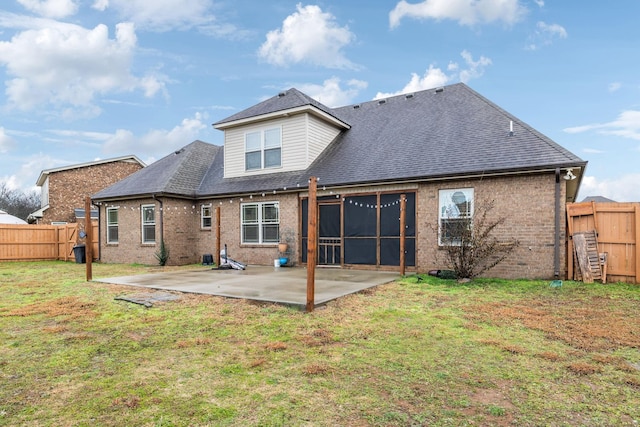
(95, 79)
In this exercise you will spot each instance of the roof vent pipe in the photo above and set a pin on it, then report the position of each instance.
(281, 94)
(439, 90)
(409, 96)
(382, 101)
(510, 127)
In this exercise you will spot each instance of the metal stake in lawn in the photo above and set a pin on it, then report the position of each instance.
(311, 244)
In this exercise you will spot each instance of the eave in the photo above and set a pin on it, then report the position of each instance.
(284, 113)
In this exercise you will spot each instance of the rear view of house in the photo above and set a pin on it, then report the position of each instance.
(442, 151)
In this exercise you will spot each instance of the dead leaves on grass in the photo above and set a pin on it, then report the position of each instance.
(590, 326)
(70, 307)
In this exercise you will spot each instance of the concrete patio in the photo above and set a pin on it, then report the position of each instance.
(284, 285)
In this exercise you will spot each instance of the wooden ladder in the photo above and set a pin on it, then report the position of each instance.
(590, 262)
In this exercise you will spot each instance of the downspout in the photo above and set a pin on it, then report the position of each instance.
(99, 205)
(160, 217)
(556, 248)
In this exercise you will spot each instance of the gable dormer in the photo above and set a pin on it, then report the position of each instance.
(282, 134)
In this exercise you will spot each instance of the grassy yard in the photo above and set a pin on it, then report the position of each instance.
(421, 351)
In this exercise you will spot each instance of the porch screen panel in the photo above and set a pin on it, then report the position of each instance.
(360, 251)
(360, 230)
(390, 251)
(390, 229)
(390, 214)
(360, 216)
(329, 221)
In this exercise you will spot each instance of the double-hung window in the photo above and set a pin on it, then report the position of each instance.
(205, 216)
(455, 216)
(148, 223)
(260, 223)
(263, 149)
(112, 225)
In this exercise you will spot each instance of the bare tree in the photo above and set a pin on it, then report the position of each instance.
(472, 248)
(18, 203)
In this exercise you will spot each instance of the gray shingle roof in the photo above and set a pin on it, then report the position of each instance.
(430, 134)
(286, 100)
(179, 174)
(450, 132)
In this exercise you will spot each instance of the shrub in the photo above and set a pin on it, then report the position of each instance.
(162, 254)
(476, 249)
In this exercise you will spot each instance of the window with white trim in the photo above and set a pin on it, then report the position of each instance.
(148, 223)
(112, 225)
(260, 223)
(263, 149)
(205, 216)
(455, 215)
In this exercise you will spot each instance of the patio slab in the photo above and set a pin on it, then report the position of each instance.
(284, 285)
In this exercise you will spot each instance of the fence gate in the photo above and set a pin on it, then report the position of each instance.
(617, 226)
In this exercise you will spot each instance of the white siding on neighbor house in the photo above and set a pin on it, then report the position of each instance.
(303, 139)
(320, 136)
(44, 193)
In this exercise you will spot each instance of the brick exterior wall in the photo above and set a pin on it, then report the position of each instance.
(528, 205)
(68, 189)
(527, 202)
(230, 230)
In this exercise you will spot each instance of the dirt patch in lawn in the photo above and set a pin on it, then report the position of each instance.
(601, 324)
(68, 307)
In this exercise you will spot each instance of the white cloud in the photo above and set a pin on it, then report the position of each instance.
(67, 66)
(157, 142)
(27, 175)
(160, 15)
(592, 151)
(434, 77)
(545, 34)
(308, 36)
(540, 3)
(55, 9)
(466, 12)
(80, 135)
(100, 5)
(474, 69)
(331, 92)
(615, 86)
(627, 125)
(6, 142)
(621, 189)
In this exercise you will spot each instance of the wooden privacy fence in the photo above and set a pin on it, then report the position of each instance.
(41, 242)
(617, 226)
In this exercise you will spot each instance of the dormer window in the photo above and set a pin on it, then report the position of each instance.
(263, 149)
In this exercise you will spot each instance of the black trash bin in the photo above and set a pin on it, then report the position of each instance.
(79, 252)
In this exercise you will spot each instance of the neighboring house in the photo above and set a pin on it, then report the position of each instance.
(5, 218)
(598, 199)
(444, 149)
(64, 189)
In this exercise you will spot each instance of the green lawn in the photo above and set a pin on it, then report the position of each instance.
(421, 351)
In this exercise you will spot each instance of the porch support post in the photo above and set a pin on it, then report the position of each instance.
(217, 255)
(312, 242)
(88, 229)
(403, 226)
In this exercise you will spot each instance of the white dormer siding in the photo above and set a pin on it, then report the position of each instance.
(304, 137)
